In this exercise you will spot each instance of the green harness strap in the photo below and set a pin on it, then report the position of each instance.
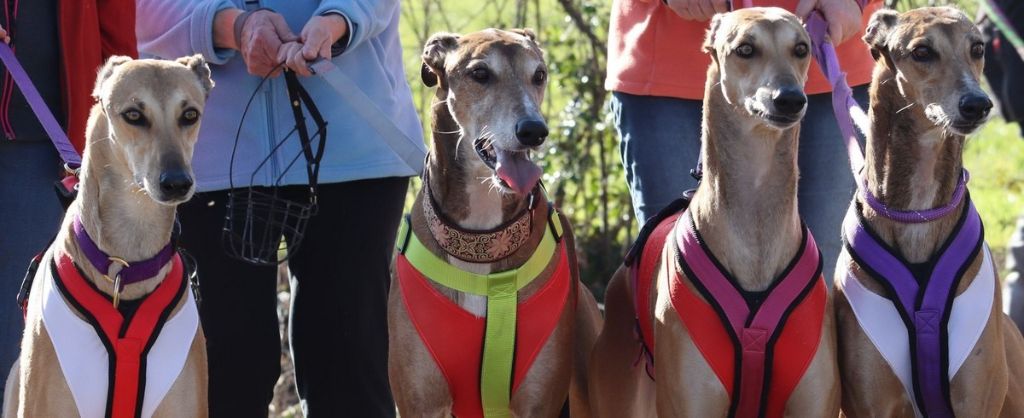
(501, 289)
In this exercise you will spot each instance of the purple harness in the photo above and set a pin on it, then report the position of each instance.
(923, 295)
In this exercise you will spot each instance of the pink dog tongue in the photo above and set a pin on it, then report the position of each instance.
(517, 171)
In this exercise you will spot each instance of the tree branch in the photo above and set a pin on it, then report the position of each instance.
(581, 24)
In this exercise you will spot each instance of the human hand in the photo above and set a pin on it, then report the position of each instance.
(843, 16)
(699, 10)
(262, 35)
(319, 34)
(290, 55)
(3, 35)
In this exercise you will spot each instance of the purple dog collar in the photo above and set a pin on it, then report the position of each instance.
(133, 272)
(922, 216)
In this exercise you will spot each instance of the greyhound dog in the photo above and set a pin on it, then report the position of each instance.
(918, 302)
(111, 327)
(486, 313)
(736, 276)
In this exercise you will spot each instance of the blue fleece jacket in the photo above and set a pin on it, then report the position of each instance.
(354, 150)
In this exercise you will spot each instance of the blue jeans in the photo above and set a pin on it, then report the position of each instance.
(660, 142)
(29, 217)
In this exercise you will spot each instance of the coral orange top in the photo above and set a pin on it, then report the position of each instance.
(654, 52)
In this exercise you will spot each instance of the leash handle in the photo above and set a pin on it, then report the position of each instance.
(409, 149)
(42, 112)
(849, 115)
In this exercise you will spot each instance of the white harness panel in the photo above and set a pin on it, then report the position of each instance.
(881, 321)
(83, 358)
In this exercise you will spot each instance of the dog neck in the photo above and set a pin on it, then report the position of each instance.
(746, 207)
(911, 164)
(117, 214)
(459, 180)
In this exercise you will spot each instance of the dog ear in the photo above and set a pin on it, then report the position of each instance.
(106, 71)
(877, 32)
(434, 52)
(197, 64)
(709, 38)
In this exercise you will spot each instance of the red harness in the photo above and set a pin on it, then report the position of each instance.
(455, 337)
(789, 320)
(127, 340)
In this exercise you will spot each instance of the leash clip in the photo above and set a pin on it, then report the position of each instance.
(117, 278)
(72, 171)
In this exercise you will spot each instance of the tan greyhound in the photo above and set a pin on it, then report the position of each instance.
(743, 227)
(136, 170)
(925, 98)
(457, 347)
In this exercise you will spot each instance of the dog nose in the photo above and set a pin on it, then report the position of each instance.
(789, 100)
(975, 106)
(175, 183)
(531, 132)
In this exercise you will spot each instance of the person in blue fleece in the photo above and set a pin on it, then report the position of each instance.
(340, 275)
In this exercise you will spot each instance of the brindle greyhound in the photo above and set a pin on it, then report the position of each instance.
(135, 171)
(925, 98)
(482, 210)
(745, 210)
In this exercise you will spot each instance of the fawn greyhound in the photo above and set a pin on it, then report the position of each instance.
(111, 326)
(918, 306)
(735, 277)
(486, 313)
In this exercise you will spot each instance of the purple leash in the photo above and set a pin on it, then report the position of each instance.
(35, 101)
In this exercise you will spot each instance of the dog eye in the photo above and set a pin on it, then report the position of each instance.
(481, 75)
(801, 50)
(190, 116)
(922, 54)
(134, 117)
(978, 51)
(745, 51)
(540, 77)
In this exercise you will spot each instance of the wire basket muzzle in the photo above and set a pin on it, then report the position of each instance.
(259, 218)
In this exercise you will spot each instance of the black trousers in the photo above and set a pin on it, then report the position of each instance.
(340, 281)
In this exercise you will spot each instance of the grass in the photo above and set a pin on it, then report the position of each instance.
(995, 158)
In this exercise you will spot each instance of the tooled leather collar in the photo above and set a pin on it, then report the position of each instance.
(478, 246)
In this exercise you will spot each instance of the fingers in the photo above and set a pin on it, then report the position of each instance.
(699, 10)
(318, 45)
(3, 35)
(804, 8)
(704, 10)
(836, 31)
(287, 51)
(262, 37)
(720, 6)
(844, 19)
(298, 63)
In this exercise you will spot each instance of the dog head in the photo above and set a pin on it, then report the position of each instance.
(936, 55)
(493, 82)
(761, 56)
(153, 108)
